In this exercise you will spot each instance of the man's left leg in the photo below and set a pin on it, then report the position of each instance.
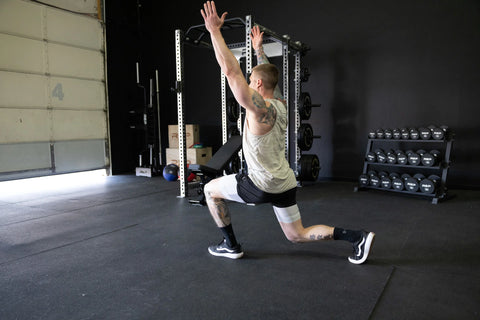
(291, 223)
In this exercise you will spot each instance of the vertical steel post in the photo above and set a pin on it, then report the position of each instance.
(224, 107)
(182, 152)
(160, 161)
(286, 89)
(297, 115)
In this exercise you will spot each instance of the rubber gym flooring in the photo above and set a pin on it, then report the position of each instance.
(126, 247)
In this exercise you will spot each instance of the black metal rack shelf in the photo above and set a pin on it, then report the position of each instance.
(442, 165)
(412, 140)
(441, 168)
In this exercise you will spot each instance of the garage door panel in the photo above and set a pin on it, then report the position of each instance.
(79, 125)
(25, 156)
(75, 62)
(77, 94)
(22, 125)
(74, 29)
(21, 54)
(53, 109)
(79, 155)
(29, 14)
(23, 90)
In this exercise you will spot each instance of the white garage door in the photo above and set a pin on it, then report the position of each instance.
(53, 110)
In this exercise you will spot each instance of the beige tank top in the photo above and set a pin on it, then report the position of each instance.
(265, 155)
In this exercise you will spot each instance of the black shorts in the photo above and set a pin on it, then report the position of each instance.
(249, 193)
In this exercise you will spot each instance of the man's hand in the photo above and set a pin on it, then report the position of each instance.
(257, 38)
(212, 21)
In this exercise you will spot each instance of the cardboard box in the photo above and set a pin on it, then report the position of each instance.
(192, 135)
(194, 155)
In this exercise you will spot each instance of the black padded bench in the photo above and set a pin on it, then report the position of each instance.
(216, 165)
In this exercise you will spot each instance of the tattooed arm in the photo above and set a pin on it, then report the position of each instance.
(257, 44)
(260, 114)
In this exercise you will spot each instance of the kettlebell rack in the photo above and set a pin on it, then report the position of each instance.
(274, 46)
(408, 172)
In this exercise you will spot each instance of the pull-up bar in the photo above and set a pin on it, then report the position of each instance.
(196, 34)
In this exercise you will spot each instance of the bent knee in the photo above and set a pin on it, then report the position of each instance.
(211, 190)
(294, 237)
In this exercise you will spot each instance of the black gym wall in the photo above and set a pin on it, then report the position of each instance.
(374, 64)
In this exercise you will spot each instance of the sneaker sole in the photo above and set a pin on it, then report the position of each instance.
(226, 255)
(368, 246)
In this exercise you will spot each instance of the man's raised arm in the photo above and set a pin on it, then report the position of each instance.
(257, 44)
(228, 63)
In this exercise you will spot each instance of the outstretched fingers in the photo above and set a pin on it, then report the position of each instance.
(209, 12)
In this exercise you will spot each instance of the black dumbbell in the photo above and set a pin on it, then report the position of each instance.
(414, 134)
(396, 134)
(381, 156)
(430, 184)
(386, 182)
(382, 174)
(380, 134)
(439, 133)
(391, 157)
(421, 152)
(374, 179)
(429, 159)
(413, 158)
(372, 134)
(363, 180)
(371, 156)
(425, 133)
(397, 182)
(401, 157)
(412, 184)
(387, 133)
(405, 134)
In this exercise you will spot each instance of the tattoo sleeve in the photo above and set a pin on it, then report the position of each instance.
(261, 59)
(261, 56)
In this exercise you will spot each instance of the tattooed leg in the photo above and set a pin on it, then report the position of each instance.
(217, 206)
(219, 211)
(295, 232)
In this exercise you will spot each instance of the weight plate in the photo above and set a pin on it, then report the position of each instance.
(308, 167)
(233, 109)
(305, 106)
(305, 137)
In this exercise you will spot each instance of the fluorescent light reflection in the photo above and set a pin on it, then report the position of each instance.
(60, 183)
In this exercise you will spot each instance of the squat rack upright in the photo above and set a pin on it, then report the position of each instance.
(274, 46)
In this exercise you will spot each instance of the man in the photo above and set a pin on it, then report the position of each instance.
(270, 178)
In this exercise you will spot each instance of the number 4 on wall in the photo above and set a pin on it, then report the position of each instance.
(58, 92)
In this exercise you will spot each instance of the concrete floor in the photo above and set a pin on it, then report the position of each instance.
(126, 247)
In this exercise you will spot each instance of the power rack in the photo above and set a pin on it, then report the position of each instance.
(274, 46)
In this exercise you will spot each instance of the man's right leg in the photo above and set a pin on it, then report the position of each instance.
(216, 191)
